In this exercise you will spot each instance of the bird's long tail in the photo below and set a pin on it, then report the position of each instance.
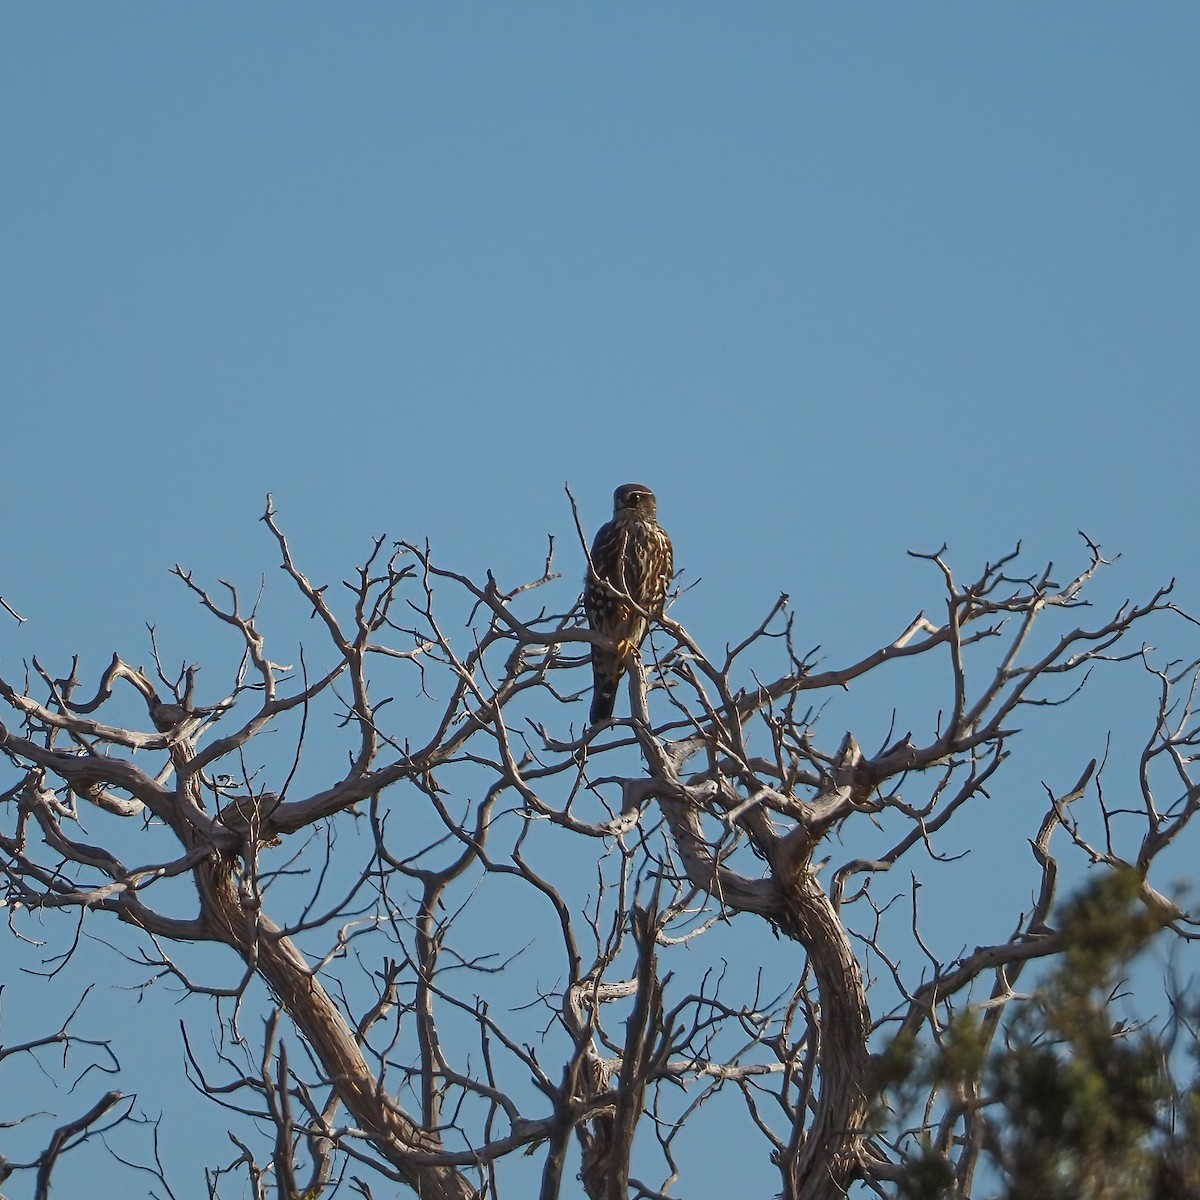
(606, 675)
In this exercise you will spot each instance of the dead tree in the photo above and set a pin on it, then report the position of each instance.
(476, 951)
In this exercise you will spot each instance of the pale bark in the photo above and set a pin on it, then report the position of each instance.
(708, 804)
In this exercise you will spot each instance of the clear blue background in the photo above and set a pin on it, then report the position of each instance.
(837, 281)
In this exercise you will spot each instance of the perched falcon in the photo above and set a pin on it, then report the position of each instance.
(632, 565)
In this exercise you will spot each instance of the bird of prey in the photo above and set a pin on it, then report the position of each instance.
(631, 567)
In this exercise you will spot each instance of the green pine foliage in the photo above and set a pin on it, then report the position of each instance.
(1075, 1105)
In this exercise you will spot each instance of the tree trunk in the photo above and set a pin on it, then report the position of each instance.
(827, 1157)
(275, 957)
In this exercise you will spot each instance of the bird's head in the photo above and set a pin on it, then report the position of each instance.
(634, 499)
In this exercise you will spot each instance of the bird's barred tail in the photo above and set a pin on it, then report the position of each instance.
(605, 676)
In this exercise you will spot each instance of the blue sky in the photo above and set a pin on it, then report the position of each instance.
(837, 281)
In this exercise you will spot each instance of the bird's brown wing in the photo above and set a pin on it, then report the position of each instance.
(607, 615)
